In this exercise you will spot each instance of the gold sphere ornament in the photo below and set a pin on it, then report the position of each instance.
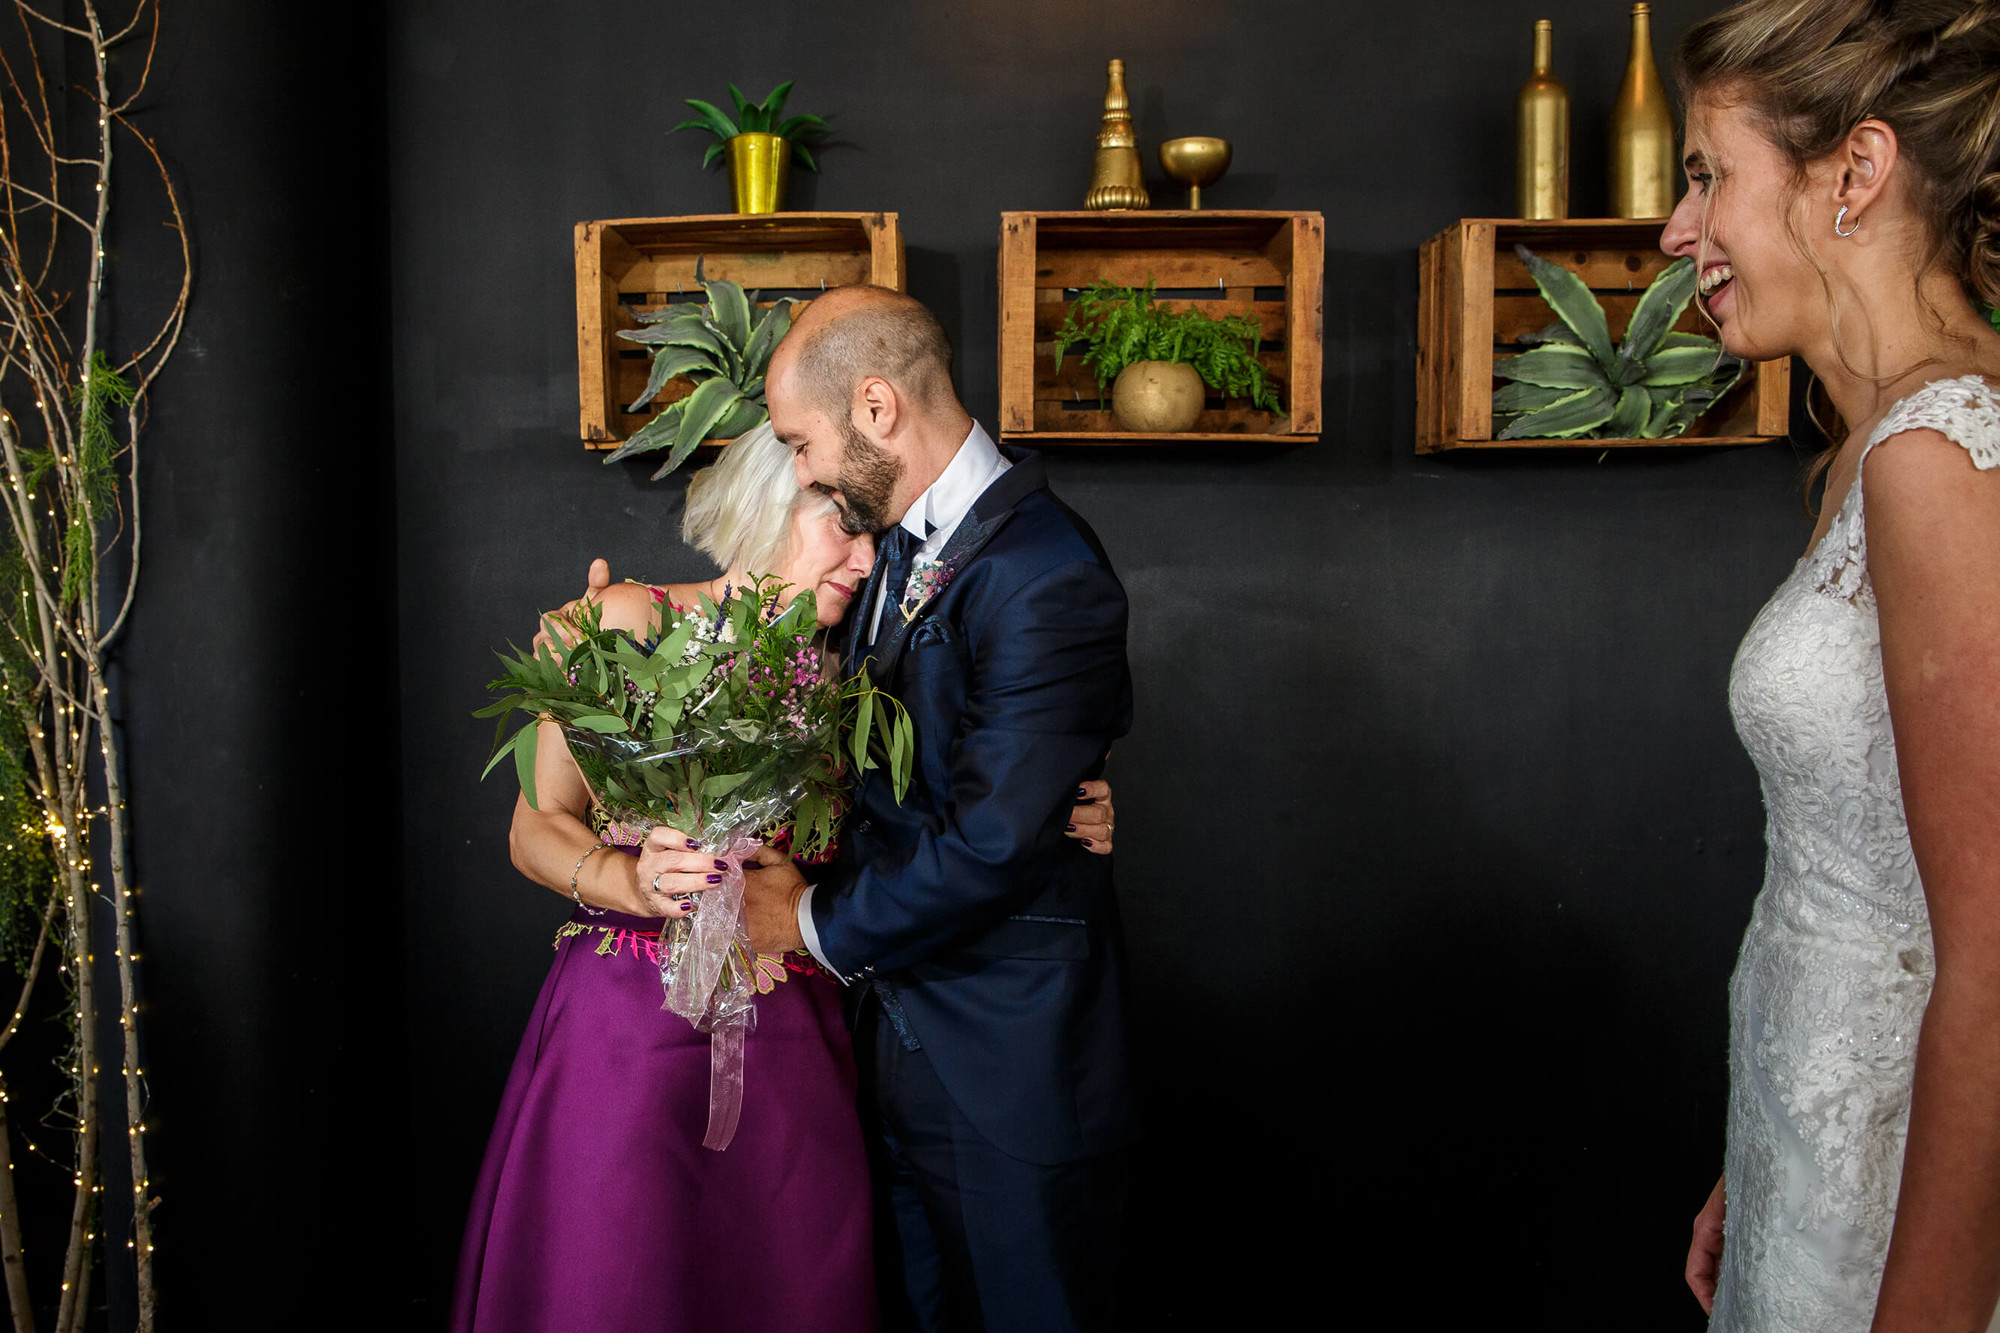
(1158, 396)
(1196, 161)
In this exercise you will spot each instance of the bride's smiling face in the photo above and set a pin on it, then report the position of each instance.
(821, 556)
(1762, 291)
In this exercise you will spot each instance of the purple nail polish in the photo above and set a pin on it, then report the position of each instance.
(722, 865)
(1087, 842)
(1081, 793)
(693, 846)
(715, 879)
(1069, 828)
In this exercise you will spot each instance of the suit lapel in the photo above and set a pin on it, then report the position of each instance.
(988, 515)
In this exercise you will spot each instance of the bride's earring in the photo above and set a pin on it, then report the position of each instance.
(1842, 218)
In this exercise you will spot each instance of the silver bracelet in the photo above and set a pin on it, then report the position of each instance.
(594, 911)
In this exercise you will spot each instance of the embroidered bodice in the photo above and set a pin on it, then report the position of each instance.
(1836, 966)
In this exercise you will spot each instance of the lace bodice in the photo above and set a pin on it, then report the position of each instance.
(1836, 966)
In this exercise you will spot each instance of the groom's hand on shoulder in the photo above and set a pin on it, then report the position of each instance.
(772, 887)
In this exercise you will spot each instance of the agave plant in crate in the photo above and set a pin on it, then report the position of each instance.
(724, 346)
(1574, 384)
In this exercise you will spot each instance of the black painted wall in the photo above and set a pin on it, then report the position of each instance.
(1435, 839)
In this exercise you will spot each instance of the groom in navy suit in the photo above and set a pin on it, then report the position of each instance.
(980, 946)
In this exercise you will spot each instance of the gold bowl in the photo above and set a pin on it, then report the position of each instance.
(1195, 161)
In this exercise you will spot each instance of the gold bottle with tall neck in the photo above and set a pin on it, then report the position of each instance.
(1642, 132)
(1115, 177)
(1541, 132)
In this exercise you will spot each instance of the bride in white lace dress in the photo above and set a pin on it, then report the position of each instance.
(1844, 205)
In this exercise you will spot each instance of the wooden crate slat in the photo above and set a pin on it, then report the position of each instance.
(644, 263)
(1477, 300)
(1052, 415)
(1046, 257)
(1219, 269)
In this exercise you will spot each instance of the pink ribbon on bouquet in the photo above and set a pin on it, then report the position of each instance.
(700, 989)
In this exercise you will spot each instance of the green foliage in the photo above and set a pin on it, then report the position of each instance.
(754, 118)
(1572, 384)
(1992, 315)
(724, 346)
(1117, 326)
(727, 722)
(101, 389)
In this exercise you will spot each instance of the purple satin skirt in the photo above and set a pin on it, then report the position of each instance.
(598, 1210)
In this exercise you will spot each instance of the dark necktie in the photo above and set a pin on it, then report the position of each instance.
(892, 566)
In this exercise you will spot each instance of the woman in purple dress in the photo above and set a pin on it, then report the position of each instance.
(597, 1210)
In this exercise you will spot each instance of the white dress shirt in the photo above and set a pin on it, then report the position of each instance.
(932, 519)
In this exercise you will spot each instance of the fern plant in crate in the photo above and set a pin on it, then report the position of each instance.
(724, 346)
(1152, 362)
(1575, 384)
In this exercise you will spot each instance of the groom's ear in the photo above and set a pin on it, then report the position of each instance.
(878, 409)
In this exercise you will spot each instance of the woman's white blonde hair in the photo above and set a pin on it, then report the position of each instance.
(740, 508)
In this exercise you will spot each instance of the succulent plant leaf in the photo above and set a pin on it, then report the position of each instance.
(771, 329)
(729, 310)
(713, 120)
(1572, 301)
(1577, 414)
(798, 125)
(711, 401)
(1685, 365)
(775, 103)
(1658, 309)
(715, 151)
(1671, 339)
(683, 331)
(655, 434)
(1667, 404)
(747, 415)
(1630, 416)
(1557, 332)
(665, 313)
(804, 155)
(1553, 366)
(1513, 399)
(667, 363)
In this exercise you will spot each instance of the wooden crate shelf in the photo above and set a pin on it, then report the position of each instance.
(641, 264)
(1476, 299)
(1267, 265)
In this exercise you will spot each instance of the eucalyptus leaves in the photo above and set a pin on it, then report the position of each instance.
(723, 345)
(730, 723)
(1574, 384)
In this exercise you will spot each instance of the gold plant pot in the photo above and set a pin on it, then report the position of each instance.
(1196, 161)
(1153, 396)
(758, 167)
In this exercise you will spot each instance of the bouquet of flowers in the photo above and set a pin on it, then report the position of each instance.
(731, 726)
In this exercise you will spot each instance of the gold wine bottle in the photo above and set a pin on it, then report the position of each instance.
(1642, 132)
(1541, 132)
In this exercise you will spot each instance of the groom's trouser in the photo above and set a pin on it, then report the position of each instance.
(967, 1238)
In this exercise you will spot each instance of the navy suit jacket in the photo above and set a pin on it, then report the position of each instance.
(993, 937)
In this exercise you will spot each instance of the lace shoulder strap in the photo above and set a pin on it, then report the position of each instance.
(1965, 411)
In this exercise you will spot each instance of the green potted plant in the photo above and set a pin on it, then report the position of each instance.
(1159, 364)
(1576, 385)
(759, 145)
(723, 347)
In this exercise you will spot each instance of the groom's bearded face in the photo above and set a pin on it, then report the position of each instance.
(867, 481)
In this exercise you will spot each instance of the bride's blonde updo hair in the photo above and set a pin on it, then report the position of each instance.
(1811, 70)
(740, 508)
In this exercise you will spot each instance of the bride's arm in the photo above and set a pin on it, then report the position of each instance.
(547, 843)
(1934, 557)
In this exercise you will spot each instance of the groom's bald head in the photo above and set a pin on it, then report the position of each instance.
(854, 333)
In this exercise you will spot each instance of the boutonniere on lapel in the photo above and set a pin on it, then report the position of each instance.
(927, 579)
